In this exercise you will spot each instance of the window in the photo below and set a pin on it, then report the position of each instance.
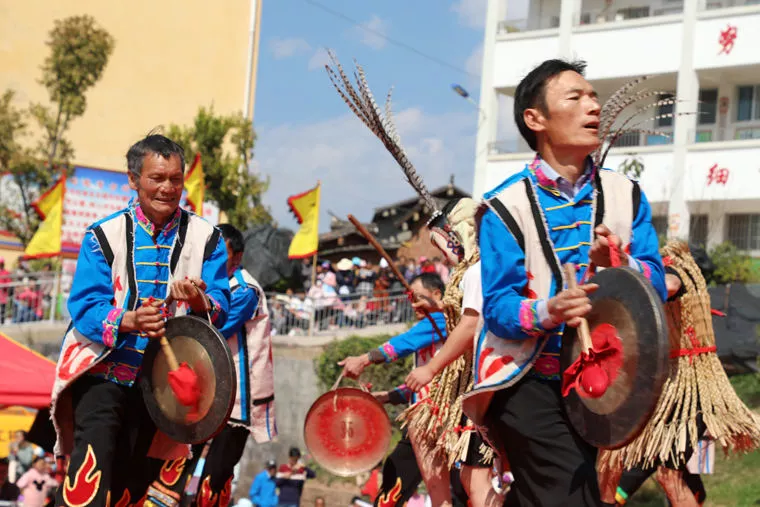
(628, 139)
(633, 12)
(554, 22)
(748, 103)
(660, 225)
(665, 112)
(744, 231)
(698, 230)
(708, 106)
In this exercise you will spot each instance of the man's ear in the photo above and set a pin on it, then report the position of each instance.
(132, 180)
(534, 119)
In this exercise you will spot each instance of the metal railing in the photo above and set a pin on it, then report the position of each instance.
(294, 316)
(33, 297)
(43, 297)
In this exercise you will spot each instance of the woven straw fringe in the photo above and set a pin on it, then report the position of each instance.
(696, 384)
(439, 416)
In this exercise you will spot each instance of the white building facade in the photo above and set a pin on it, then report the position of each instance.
(704, 180)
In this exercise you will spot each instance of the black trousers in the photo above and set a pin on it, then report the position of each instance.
(401, 475)
(551, 464)
(216, 479)
(112, 435)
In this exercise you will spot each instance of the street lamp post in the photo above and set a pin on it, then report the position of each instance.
(459, 90)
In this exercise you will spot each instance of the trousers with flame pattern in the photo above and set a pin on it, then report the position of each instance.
(216, 479)
(112, 435)
(401, 476)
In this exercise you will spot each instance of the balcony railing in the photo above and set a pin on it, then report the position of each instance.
(724, 4)
(611, 15)
(527, 25)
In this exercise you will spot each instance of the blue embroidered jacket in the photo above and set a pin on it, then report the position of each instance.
(420, 339)
(567, 209)
(91, 299)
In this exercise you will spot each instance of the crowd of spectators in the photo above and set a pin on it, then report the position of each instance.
(350, 293)
(28, 476)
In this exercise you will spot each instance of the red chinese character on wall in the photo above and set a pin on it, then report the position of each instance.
(716, 175)
(727, 39)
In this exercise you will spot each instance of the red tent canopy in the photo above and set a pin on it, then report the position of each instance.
(26, 377)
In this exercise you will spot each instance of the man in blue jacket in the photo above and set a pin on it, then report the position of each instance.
(263, 492)
(401, 471)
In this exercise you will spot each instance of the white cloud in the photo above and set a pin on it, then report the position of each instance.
(285, 48)
(319, 59)
(471, 13)
(373, 32)
(356, 172)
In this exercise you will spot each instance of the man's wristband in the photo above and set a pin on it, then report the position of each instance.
(375, 356)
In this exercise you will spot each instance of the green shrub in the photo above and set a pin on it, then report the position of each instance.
(731, 266)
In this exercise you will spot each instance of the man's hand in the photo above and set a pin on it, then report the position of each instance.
(571, 304)
(185, 290)
(353, 366)
(381, 396)
(673, 284)
(600, 249)
(419, 378)
(147, 319)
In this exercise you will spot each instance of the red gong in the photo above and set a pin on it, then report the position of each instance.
(347, 431)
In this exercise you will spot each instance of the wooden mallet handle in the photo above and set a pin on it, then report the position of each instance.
(171, 359)
(583, 332)
(377, 246)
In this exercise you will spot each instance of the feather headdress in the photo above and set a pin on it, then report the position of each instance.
(362, 102)
(620, 102)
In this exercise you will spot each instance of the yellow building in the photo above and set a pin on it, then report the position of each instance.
(170, 57)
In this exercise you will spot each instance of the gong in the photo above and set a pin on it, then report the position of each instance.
(627, 301)
(199, 344)
(347, 431)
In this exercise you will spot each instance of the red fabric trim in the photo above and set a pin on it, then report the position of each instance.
(303, 256)
(293, 208)
(692, 352)
(35, 204)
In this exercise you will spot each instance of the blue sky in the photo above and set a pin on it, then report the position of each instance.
(305, 131)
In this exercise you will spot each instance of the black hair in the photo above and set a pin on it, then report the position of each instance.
(531, 92)
(153, 144)
(431, 281)
(231, 234)
(294, 452)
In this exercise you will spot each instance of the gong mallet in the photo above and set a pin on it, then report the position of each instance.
(593, 376)
(182, 379)
(372, 241)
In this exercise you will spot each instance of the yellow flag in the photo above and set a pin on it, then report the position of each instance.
(305, 207)
(46, 242)
(195, 186)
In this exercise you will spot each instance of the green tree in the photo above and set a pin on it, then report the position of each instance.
(79, 52)
(631, 167)
(229, 182)
(383, 377)
(731, 266)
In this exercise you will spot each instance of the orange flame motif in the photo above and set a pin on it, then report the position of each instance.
(86, 482)
(206, 497)
(389, 499)
(124, 500)
(226, 494)
(172, 471)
